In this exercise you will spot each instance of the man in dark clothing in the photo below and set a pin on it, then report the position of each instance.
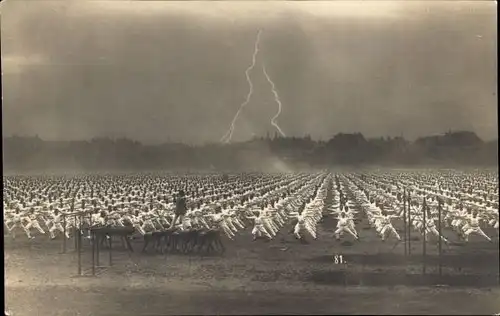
(180, 208)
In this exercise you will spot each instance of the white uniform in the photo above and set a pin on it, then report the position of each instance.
(343, 226)
(32, 222)
(386, 227)
(258, 228)
(56, 225)
(16, 221)
(430, 228)
(219, 220)
(473, 227)
(303, 224)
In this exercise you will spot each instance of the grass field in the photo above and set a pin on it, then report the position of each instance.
(278, 277)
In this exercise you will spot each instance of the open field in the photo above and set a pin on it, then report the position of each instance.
(281, 276)
(252, 277)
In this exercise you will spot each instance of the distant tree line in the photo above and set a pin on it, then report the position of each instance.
(261, 153)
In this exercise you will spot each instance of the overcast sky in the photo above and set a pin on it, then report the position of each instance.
(154, 71)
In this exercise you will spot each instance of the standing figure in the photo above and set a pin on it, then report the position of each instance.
(180, 208)
(473, 227)
(15, 221)
(343, 226)
(430, 228)
(32, 222)
(56, 225)
(386, 227)
(303, 223)
(258, 228)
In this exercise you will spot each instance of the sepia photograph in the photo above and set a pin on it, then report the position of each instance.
(250, 157)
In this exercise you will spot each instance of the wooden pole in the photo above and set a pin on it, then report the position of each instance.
(92, 234)
(110, 250)
(64, 233)
(79, 248)
(424, 248)
(97, 242)
(404, 220)
(75, 231)
(408, 201)
(72, 210)
(440, 234)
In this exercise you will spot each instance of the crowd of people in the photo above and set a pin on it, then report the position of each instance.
(264, 203)
(464, 203)
(151, 204)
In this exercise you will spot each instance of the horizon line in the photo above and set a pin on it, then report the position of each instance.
(262, 137)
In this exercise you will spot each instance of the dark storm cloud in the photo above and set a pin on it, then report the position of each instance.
(156, 70)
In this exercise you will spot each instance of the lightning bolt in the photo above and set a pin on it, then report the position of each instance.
(277, 99)
(229, 134)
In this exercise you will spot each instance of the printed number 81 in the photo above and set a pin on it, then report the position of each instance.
(338, 259)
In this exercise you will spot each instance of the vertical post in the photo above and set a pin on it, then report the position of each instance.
(110, 250)
(408, 201)
(64, 233)
(92, 234)
(72, 210)
(79, 248)
(404, 219)
(75, 231)
(97, 242)
(424, 245)
(440, 234)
